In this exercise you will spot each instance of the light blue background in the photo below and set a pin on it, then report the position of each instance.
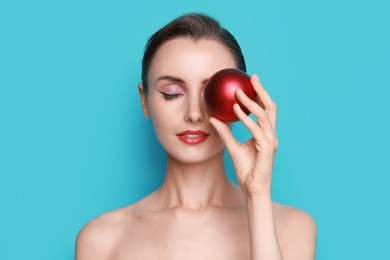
(74, 143)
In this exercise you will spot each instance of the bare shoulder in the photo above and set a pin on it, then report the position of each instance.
(297, 232)
(98, 238)
(289, 216)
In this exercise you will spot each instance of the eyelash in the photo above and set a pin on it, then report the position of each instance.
(169, 96)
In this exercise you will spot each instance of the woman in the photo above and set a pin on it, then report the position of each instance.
(197, 213)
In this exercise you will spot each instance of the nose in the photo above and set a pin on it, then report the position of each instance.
(196, 110)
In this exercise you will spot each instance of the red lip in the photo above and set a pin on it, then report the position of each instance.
(201, 136)
(197, 132)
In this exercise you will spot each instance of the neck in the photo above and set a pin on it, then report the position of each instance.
(198, 186)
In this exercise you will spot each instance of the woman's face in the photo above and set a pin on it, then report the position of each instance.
(177, 78)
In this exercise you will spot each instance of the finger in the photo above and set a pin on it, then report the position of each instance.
(260, 114)
(254, 128)
(264, 99)
(225, 134)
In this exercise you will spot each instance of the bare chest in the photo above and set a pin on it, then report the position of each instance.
(169, 237)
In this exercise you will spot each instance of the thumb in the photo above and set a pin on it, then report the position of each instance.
(225, 134)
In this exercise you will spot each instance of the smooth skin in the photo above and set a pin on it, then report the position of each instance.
(198, 213)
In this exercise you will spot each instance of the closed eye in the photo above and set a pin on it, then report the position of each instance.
(169, 96)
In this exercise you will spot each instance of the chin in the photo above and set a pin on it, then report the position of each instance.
(195, 156)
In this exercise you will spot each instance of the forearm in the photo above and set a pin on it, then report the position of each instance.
(263, 239)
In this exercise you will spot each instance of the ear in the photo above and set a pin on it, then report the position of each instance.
(143, 100)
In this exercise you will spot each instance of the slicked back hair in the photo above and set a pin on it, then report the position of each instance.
(196, 26)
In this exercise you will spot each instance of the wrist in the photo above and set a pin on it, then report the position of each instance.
(259, 201)
(264, 195)
(259, 206)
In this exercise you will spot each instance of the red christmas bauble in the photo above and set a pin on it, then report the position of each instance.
(220, 91)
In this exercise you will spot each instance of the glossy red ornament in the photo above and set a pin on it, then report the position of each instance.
(220, 95)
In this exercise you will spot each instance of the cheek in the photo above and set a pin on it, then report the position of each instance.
(163, 111)
(163, 119)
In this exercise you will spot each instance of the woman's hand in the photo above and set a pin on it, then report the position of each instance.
(253, 160)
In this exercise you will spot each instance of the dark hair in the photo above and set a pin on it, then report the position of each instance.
(196, 26)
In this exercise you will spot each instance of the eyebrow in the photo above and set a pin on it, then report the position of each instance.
(176, 79)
